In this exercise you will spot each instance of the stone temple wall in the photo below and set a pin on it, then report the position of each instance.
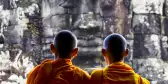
(29, 26)
(142, 22)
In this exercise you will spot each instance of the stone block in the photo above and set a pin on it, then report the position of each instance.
(90, 51)
(164, 48)
(115, 8)
(51, 7)
(58, 21)
(146, 24)
(146, 6)
(165, 8)
(163, 82)
(90, 6)
(164, 39)
(165, 26)
(153, 69)
(116, 25)
(146, 46)
(90, 43)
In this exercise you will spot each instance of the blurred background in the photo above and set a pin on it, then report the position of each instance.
(27, 28)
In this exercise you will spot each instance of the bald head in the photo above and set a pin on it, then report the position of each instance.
(65, 41)
(116, 44)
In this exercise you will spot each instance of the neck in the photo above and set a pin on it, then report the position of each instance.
(112, 62)
(62, 58)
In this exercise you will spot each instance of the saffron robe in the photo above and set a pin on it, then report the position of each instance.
(60, 71)
(117, 73)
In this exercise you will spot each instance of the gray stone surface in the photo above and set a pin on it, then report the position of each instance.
(153, 69)
(164, 40)
(114, 13)
(146, 24)
(166, 8)
(146, 46)
(164, 48)
(146, 6)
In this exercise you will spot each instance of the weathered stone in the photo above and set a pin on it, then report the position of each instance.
(164, 39)
(164, 48)
(58, 21)
(90, 43)
(25, 3)
(8, 4)
(165, 8)
(153, 69)
(88, 22)
(165, 26)
(163, 82)
(128, 30)
(65, 11)
(114, 15)
(147, 24)
(127, 3)
(130, 46)
(113, 8)
(90, 51)
(146, 6)
(146, 46)
(51, 7)
(27, 41)
(90, 6)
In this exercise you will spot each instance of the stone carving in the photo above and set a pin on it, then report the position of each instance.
(28, 27)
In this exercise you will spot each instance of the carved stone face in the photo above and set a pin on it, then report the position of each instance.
(113, 8)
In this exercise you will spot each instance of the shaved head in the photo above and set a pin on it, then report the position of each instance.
(116, 44)
(65, 41)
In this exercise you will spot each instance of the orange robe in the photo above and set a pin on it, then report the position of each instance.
(117, 73)
(60, 71)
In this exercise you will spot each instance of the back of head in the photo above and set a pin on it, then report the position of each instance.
(116, 44)
(65, 41)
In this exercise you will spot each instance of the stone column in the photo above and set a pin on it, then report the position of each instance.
(164, 40)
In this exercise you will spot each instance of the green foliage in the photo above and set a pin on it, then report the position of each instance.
(33, 29)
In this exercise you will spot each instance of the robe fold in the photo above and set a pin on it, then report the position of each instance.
(60, 71)
(117, 73)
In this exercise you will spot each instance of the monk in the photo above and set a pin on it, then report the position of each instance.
(61, 70)
(117, 72)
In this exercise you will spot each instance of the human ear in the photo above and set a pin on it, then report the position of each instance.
(75, 52)
(126, 53)
(103, 51)
(52, 49)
